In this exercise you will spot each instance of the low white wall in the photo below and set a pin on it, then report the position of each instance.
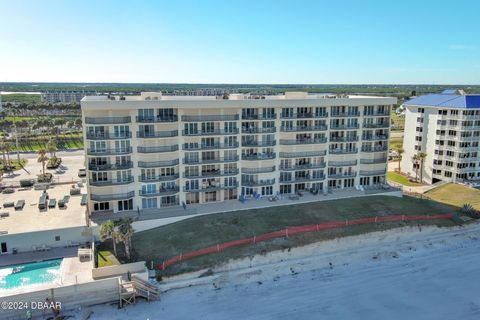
(70, 297)
(115, 271)
(23, 242)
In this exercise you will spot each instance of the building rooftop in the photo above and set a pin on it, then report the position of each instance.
(448, 99)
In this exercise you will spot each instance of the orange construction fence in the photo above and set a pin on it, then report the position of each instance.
(293, 231)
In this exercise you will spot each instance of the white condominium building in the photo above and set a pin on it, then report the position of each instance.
(149, 152)
(64, 96)
(446, 127)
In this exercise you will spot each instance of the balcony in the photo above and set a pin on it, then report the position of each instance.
(303, 166)
(258, 170)
(344, 126)
(107, 183)
(112, 197)
(343, 151)
(159, 149)
(213, 160)
(345, 114)
(258, 156)
(108, 136)
(212, 187)
(373, 161)
(304, 115)
(303, 179)
(201, 118)
(303, 154)
(343, 139)
(215, 132)
(342, 175)
(108, 120)
(160, 192)
(303, 128)
(288, 142)
(270, 116)
(157, 134)
(197, 146)
(259, 130)
(385, 113)
(259, 143)
(367, 173)
(172, 118)
(110, 166)
(375, 138)
(342, 163)
(376, 125)
(157, 164)
(258, 183)
(158, 178)
(211, 173)
(109, 152)
(375, 149)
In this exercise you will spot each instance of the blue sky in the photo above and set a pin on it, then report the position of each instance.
(233, 41)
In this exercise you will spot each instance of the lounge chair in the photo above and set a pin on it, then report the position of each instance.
(83, 202)
(4, 214)
(20, 204)
(52, 203)
(8, 204)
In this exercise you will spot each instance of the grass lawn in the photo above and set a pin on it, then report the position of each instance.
(456, 195)
(106, 258)
(398, 121)
(396, 143)
(161, 243)
(14, 162)
(398, 178)
(35, 145)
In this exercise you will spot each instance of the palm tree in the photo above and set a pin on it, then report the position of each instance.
(52, 148)
(3, 150)
(422, 156)
(7, 147)
(42, 158)
(415, 159)
(108, 231)
(400, 151)
(125, 231)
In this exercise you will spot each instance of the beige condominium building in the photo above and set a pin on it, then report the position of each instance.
(151, 152)
(445, 127)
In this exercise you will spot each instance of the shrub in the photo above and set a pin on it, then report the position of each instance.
(470, 211)
(27, 183)
(54, 163)
(47, 177)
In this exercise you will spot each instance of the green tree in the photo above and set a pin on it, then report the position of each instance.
(78, 123)
(108, 231)
(400, 152)
(125, 233)
(51, 147)
(421, 157)
(42, 158)
(415, 160)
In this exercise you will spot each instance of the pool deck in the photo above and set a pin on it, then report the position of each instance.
(28, 257)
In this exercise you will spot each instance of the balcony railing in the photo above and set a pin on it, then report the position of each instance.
(200, 118)
(108, 120)
(112, 197)
(303, 166)
(343, 139)
(213, 187)
(303, 154)
(213, 160)
(372, 172)
(303, 179)
(258, 183)
(173, 118)
(385, 113)
(108, 152)
(342, 163)
(110, 166)
(373, 161)
(108, 136)
(199, 146)
(344, 126)
(376, 125)
(374, 149)
(302, 141)
(343, 151)
(258, 170)
(345, 114)
(158, 178)
(158, 149)
(110, 182)
(304, 115)
(259, 143)
(303, 128)
(259, 130)
(215, 132)
(258, 156)
(342, 175)
(160, 192)
(211, 173)
(157, 134)
(156, 164)
(379, 137)
(261, 116)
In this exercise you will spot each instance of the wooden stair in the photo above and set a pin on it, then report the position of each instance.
(130, 290)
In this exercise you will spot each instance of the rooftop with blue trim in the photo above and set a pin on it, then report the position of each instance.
(450, 98)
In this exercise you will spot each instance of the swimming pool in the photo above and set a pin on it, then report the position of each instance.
(20, 275)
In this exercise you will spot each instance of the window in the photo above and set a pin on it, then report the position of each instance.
(57, 238)
(124, 205)
(101, 206)
(148, 203)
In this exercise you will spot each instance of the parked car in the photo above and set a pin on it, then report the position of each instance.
(82, 173)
